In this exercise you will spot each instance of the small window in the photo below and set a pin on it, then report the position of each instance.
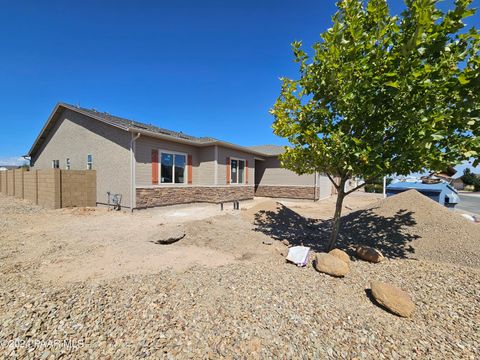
(56, 164)
(89, 162)
(67, 164)
(237, 171)
(172, 169)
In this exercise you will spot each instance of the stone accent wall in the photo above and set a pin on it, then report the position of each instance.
(288, 192)
(166, 195)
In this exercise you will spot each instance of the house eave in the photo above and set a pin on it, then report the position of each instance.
(196, 143)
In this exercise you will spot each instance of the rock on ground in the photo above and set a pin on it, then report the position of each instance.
(331, 265)
(369, 254)
(342, 255)
(393, 298)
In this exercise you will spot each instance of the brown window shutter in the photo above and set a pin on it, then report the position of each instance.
(189, 168)
(154, 167)
(228, 170)
(246, 172)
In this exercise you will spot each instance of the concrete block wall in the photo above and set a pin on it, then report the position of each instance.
(78, 188)
(49, 188)
(30, 186)
(18, 179)
(10, 182)
(52, 188)
(3, 182)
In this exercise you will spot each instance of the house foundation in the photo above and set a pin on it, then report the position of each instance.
(166, 195)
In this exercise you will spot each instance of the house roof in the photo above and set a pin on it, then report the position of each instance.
(127, 123)
(268, 150)
(133, 127)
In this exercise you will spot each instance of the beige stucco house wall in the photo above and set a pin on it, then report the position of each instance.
(271, 180)
(74, 136)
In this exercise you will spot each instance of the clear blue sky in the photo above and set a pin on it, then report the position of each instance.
(207, 68)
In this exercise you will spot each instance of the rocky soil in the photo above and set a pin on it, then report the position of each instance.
(256, 306)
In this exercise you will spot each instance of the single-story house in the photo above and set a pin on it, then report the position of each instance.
(150, 166)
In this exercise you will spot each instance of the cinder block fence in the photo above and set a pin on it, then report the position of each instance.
(52, 188)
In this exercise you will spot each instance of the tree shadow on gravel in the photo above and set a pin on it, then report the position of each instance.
(390, 235)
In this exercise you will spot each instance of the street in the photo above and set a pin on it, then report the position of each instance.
(469, 202)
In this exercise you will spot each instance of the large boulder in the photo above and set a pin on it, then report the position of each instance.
(369, 254)
(391, 297)
(340, 254)
(331, 265)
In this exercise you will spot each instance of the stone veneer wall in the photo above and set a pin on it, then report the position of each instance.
(166, 195)
(289, 192)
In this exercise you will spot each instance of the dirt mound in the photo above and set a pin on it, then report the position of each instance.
(412, 225)
(253, 212)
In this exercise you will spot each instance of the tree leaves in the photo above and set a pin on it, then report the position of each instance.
(384, 94)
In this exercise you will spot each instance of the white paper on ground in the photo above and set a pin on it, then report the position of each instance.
(298, 255)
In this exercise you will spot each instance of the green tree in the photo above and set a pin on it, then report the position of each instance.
(383, 94)
(469, 178)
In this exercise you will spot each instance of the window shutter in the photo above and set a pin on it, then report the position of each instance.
(189, 168)
(154, 167)
(228, 170)
(246, 172)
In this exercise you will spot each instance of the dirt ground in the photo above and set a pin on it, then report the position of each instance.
(98, 280)
(93, 244)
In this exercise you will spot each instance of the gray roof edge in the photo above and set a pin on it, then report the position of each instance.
(195, 143)
(268, 150)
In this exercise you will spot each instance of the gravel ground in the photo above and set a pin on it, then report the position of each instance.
(255, 307)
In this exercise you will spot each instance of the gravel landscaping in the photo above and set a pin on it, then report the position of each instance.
(246, 302)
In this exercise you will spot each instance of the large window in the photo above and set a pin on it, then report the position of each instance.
(237, 171)
(172, 169)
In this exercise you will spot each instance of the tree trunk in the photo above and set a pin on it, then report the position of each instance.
(338, 214)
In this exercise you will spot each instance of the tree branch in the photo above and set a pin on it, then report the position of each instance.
(355, 188)
(333, 182)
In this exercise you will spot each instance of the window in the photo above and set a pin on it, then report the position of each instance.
(237, 171)
(172, 169)
(67, 162)
(55, 164)
(89, 162)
